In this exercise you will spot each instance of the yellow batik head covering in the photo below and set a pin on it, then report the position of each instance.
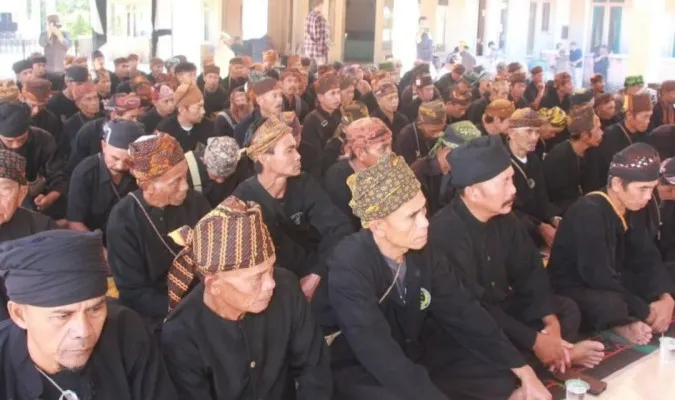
(382, 189)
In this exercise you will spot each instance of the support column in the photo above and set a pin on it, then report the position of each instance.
(404, 37)
(378, 53)
(517, 30)
(336, 20)
(463, 23)
(300, 11)
(493, 22)
(232, 17)
(646, 24)
(187, 37)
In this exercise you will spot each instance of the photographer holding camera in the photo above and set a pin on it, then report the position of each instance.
(56, 44)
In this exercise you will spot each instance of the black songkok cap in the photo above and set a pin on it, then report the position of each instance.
(663, 140)
(14, 119)
(581, 97)
(77, 73)
(638, 162)
(120, 133)
(54, 268)
(21, 66)
(478, 161)
(184, 67)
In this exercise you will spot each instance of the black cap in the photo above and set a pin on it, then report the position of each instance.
(14, 119)
(581, 97)
(54, 268)
(77, 73)
(478, 161)
(663, 140)
(184, 67)
(638, 162)
(120, 133)
(21, 66)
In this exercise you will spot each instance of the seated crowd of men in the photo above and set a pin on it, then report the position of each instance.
(349, 234)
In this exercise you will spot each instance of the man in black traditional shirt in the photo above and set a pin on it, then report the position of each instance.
(89, 108)
(417, 138)
(268, 98)
(87, 141)
(62, 103)
(424, 91)
(290, 80)
(518, 82)
(634, 128)
(246, 330)
(219, 171)
(607, 262)
(189, 126)
(36, 94)
(215, 97)
(64, 341)
(44, 168)
(101, 180)
(456, 105)
(605, 108)
(163, 107)
(534, 92)
(304, 223)
(16, 222)
(320, 125)
(386, 94)
(139, 250)
(366, 140)
(558, 95)
(499, 90)
(403, 327)
(499, 264)
(532, 205)
(564, 165)
(237, 76)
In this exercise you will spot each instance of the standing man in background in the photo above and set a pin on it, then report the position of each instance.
(577, 63)
(56, 44)
(425, 45)
(317, 35)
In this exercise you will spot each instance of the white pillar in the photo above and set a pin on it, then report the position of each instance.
(462, 23)
(188, 30)
(517, 30)
(646, 24)
(493, 22)
(254, 19)
(404, 36)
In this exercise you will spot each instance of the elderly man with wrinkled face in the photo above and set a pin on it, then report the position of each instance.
(385, 284)
(140, 252)
(241, 299)
(64, 341)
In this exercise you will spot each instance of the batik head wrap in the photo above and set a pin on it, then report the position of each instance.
(432, 113)
(187, 94)
(526, 118)
(634, 80)
(120, 103)
(13, 167)
(500, 108)
(266, 136)
(382, 189)
(456, 135)
(161, 91)
(221, 156)
(153, 155)
(638, 102)
(555, 116)
(9, 92)
(581, 121)
(83, 89)
(364, 132)
(37, 90)
(230, 237)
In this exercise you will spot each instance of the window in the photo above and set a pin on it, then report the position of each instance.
(545, 16)
(606, 28)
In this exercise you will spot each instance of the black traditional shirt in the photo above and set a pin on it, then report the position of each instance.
(188, 139)
(62, 106)
(396, 126)
(124, 365)
(319, 127)
(499, 264)
(411, 144)
(138, 255)
(257, 357)
(335, 183)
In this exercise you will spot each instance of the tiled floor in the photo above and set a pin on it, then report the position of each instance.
(646, 379)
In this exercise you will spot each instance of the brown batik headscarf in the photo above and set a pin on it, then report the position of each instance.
(266, 136)
(154, 155)
(526, 118)
(668, 110)
(9, 92)
(364, 132)
(13, 167)
(37, 90)
(230, 237)
(382, 189)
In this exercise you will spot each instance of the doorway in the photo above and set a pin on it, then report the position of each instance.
(359, 44)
